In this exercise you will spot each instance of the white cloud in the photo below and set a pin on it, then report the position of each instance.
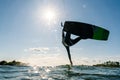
(45, 60)
(45, 56)
(57, 56)
(37, 50)
(50, 50)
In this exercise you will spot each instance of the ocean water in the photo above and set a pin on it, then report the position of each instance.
(58, 73)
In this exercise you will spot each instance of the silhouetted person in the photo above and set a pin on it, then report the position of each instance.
(67, 42)
(84, 30)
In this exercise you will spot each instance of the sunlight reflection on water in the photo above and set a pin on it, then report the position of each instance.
(58, 73)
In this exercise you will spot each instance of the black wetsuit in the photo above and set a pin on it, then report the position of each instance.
(67, 42)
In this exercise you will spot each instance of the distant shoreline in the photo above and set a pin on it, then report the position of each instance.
(18, 63)
(108, 64)
(12, 63)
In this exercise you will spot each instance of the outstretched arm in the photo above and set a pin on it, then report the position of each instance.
(67, 47)
(69, 55)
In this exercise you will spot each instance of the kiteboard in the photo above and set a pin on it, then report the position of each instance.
(85, 30)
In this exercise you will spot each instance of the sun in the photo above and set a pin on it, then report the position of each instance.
(49, 15)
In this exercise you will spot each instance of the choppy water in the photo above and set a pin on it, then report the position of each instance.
(59, 73)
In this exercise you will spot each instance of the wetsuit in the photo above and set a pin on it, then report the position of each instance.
(67, 42)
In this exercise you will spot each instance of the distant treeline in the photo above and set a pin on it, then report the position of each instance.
(12, 63)
(109, 64)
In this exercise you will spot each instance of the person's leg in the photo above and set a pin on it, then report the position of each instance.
(74, 41)
(70, 41)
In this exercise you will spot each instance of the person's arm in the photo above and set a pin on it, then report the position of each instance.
(63, 34)
(63, 38)
(69, 55)
(67, 46)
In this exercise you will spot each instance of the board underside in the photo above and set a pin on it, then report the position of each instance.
(85, 30)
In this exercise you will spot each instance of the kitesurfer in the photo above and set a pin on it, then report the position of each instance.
(67, 42)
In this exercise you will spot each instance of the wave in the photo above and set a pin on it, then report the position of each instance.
(59, 73)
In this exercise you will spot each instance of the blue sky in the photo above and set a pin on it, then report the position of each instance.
(27, 33)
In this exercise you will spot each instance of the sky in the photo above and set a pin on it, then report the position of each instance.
(30, 30)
